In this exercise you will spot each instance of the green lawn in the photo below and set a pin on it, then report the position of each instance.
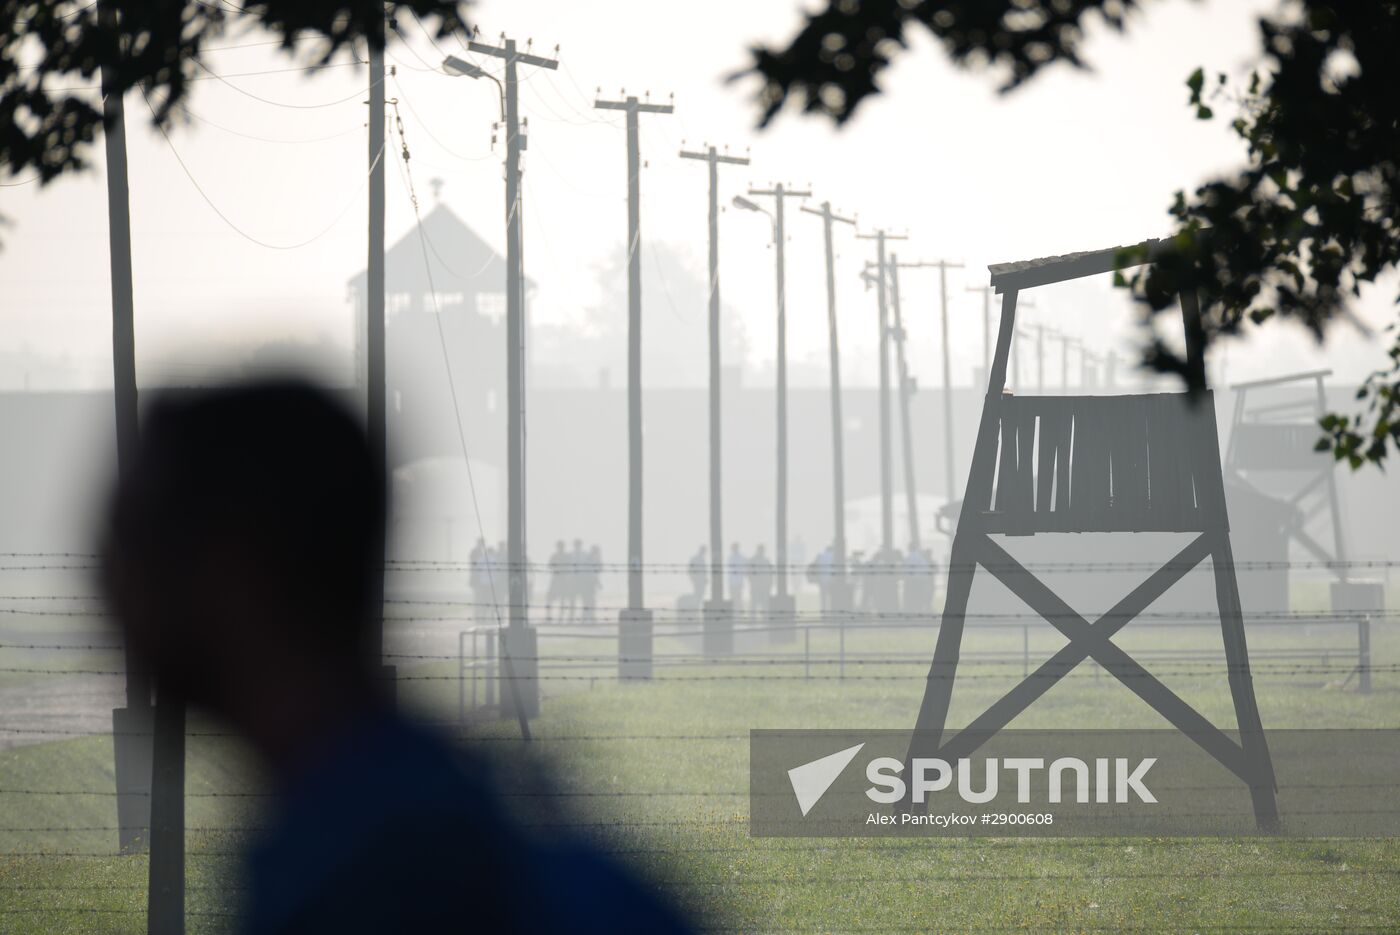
(659, 773)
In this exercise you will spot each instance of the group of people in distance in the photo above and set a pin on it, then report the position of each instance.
(575, 578)
(753, 574)
(889, 580)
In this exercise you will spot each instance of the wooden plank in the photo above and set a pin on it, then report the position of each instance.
(1205, 458)
(1259, 765)
(938, 687)
(1130, 463)
(1025, 462)
(1006, 460)
(1064, 423)
(1090, 465)
(1164, 495)
(1063, 268)
(1049, 438)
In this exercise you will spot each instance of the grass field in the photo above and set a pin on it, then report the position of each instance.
(658, 774)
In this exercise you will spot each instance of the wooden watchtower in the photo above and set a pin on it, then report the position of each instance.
(1104, 464)
(1277, 436)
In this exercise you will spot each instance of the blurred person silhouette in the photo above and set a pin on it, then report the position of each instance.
(498, 570)
(481, 587)
(738, 571)
(918, 580)
(576, 581)
(555, 594)
(819, 572)
(592, 579)
(862, 595)
(760, 570)
(699, 572)
(241, 558)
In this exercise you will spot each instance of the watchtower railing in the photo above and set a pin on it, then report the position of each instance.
(1134, 463)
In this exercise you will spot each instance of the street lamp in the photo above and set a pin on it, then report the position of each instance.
(741, 202)
(781, 606)
(457, 68)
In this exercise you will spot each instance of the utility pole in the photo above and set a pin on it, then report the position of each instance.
(718, 622)
(148, 742)
(987, 293)
(781, 605)
(634, 634)
(519, 642)
(886, 474)
(837, 588)
(1088, 367)
(1066, 341)
(376, 410)
(906, 390)
(1017, 337)
(949, 460)
(131, 725)
(1039, 359)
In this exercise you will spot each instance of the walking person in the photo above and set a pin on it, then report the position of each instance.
(819, 573)
(737, 572)
(760, 569)
(698, 570)
(480, 585)
(918, 581)
(554, 596)
(592, 580)
(575, 577)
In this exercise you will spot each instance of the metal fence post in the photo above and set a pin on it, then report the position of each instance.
(1363, 655)
(491, 673)
(462, 677)
(841, 668)
(807, 652)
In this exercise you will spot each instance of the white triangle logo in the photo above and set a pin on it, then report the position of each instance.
(811, 780)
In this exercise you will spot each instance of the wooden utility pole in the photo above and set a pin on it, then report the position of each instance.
(906, 390)
(949, 461)
(519, 642)
(719, 633)
(987, 293)
(131, 725)
(1039, 359)
(634, 624)
(886, 474)
(1066, 343)
(1089, 367)
(838, 586)
(148, 743)
(782, 604)
(376, 388)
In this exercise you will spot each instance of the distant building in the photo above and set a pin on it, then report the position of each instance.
(448, 273)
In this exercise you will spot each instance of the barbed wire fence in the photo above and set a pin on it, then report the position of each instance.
(690, 837)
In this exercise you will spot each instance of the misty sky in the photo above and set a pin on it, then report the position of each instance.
(1074, 161)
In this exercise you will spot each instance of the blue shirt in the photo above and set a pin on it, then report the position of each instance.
(387, 832)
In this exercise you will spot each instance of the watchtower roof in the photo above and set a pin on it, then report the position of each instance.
(1025, 274)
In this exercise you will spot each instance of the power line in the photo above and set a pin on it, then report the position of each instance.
(407, 175)
(269, 101)
(423, 125)
(225, 218)
(265, 139)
